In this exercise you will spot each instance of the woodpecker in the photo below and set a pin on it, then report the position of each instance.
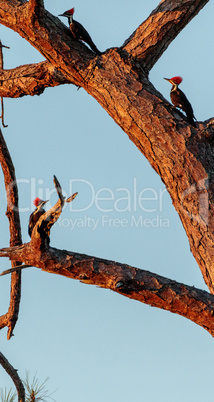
(180, 100)
(34, 217)
(78, 31)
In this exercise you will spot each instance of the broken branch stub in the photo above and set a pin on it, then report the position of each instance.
(41, 231)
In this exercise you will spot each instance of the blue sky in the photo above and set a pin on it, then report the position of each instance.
(93, 344)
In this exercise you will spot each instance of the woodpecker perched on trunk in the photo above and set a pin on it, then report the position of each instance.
(179, 99)
(78, 31)
(34, 217)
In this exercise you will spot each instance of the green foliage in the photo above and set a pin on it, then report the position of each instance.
(9, 396)
(36, 392)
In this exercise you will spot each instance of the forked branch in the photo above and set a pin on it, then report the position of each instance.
(41, 231)
(179, 153)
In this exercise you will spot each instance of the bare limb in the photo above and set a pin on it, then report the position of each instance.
(52, 39)
(10, 318)
(137, 284)
(2, 113)
(1, 68)
(30, 79)
(154, 35)
(59, 190)
(16, 268)
(6, 47)
(41, 230)
(179, 153)
(71, 198)
(14, 377)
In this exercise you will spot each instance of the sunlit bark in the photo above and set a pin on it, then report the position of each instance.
(181, 154)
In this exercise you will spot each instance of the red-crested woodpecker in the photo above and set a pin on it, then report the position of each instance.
(34, 217)
(78, 31)
(180, 100)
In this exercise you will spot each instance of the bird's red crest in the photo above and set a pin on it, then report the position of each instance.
(37, 201)
(176, 80)
(71, 11)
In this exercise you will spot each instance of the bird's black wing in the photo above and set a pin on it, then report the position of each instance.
(180, 100)
(82, 34)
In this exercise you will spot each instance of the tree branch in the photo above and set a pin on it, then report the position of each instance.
(16, 268)
(180, 154)
(41, 230)
(153, 36)
(53, 39)
(1, 69)
(50, 37)
(30, 79)
(14, 377)
(10, 318)
(137, 284)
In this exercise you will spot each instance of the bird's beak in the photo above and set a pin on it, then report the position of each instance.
(61, 15)
(167, 79)
(43, 202)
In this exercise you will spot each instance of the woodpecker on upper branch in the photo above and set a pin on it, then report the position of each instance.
(180, 100)
(34, 217)
(78, 31)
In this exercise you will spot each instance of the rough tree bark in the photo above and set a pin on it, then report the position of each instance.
(181, 154)
(14, 376)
